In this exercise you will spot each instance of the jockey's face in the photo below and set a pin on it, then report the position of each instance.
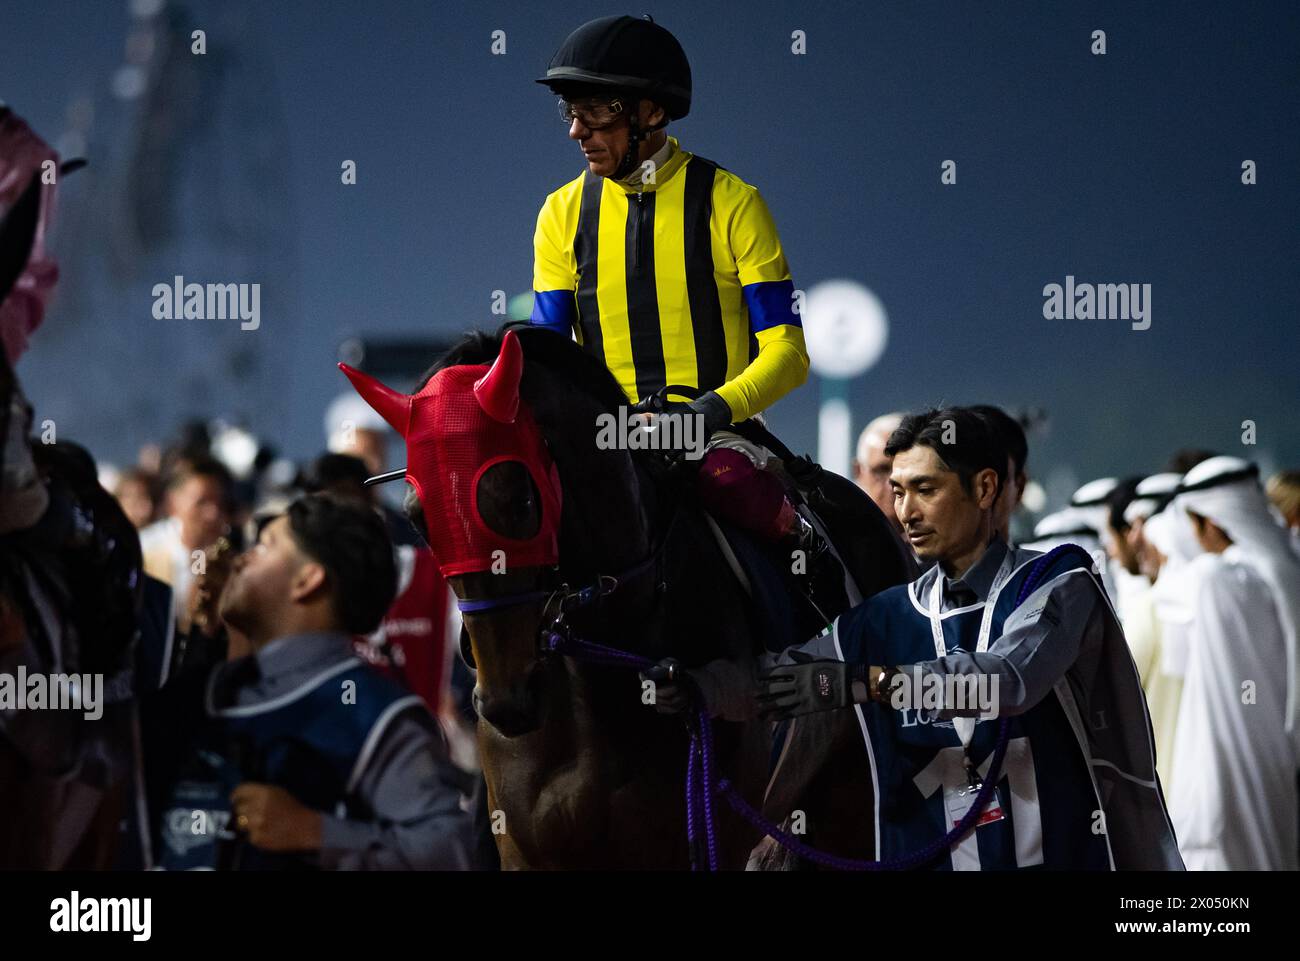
(604, 148)
(943, 521)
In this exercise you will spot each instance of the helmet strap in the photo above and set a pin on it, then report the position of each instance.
(635, 137)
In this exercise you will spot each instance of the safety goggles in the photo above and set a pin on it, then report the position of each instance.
(594, 114)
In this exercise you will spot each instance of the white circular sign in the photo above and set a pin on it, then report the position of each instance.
(845, 328)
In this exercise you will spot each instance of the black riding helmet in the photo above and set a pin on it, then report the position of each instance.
(624, 55)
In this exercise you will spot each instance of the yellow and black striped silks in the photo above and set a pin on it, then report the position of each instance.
(681, 280)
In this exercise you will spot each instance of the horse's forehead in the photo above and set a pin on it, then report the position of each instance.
(453, 381)
(464, 463)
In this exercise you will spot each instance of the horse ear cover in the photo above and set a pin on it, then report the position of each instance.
(465, 420)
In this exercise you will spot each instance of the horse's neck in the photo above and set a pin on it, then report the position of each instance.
(608, 511)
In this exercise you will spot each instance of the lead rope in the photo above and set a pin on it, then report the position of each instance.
(700, 789)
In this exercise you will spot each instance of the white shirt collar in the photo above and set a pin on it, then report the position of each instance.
(658, 158)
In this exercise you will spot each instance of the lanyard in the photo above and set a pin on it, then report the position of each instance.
(965, 726)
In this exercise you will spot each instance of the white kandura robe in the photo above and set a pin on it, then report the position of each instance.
(1173, 599)
(1233, 798)
(1142, 629)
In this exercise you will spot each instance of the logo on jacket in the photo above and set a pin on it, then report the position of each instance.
(824, 685)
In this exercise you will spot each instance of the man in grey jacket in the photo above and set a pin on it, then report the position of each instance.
(1036, 642)
(341, 769)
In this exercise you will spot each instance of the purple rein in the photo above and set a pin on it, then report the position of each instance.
(700, 775)
(699, 765)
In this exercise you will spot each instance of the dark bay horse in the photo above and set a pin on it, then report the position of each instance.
(581, 771)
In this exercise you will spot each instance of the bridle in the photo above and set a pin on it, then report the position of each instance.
(554, 631)
(555, 634)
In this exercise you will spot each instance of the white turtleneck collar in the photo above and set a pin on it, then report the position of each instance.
(658, 158)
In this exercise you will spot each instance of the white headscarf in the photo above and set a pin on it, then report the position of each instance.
(1174, 593)
(1171, 533)
(1090, 503)
(1227, 491)
(1139, 509)
(1150, 494)
(1074, 525)
(1067, 526)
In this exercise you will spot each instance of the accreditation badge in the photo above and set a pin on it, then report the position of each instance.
(959, 801)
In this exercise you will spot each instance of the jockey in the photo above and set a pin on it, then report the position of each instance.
(668, 267)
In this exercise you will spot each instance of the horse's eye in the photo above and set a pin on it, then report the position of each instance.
(507, 500)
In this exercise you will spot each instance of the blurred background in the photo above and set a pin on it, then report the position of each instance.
(1122, 168)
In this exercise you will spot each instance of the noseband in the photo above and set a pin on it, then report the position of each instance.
(555, 633)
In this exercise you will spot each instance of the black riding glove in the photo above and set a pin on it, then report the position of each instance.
(715, 411)
(724, 687)
(676, 690)
(808, 685)
(712, 412)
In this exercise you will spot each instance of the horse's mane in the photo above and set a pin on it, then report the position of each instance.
(562, 385)
(558, 355)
